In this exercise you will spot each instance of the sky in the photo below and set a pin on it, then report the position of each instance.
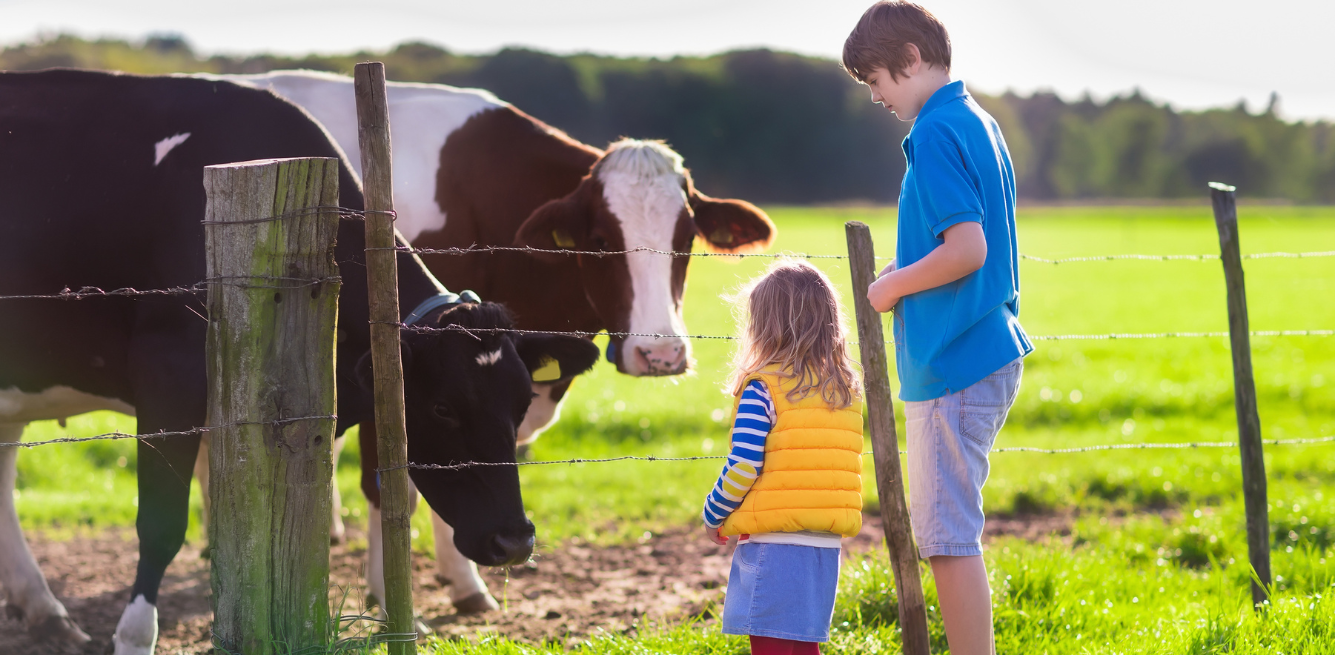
(1190, 53)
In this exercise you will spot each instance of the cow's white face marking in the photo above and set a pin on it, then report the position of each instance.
(161, 148)
(54, 403)
(642, 184)
(137, 631)
(487, 359)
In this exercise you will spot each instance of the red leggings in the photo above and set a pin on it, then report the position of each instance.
(772, 646)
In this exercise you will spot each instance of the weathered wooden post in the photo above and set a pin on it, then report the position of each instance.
(382, 282)
(885, 444)
(1244, 391)
(270, 228)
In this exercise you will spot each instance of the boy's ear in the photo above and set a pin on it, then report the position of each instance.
(557, 225)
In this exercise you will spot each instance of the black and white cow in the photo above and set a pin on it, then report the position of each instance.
(473, 170)
(101, 185)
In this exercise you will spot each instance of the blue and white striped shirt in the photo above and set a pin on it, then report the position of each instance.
(755, 417)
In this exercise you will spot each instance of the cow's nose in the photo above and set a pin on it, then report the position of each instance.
(509, 549)
(664, 359)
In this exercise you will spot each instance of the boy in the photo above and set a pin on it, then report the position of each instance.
(954, 289)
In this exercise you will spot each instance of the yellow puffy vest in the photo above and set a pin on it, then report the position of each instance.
(812, 478)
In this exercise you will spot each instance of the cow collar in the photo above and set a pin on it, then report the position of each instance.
(437, 301)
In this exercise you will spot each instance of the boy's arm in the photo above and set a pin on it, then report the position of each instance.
(747, 457)
(964, 251)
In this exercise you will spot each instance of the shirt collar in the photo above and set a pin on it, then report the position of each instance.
(943, 95)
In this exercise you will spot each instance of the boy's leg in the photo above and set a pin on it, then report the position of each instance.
(949, 439)
(966, 603)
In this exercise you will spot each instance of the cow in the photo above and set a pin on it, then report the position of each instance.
(472, 170)
(101, 182)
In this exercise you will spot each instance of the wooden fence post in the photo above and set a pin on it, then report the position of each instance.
(382, 279)
(1244, 391)
(273, 303)
(885, 444)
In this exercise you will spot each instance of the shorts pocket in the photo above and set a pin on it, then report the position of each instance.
(995, 390)
(981, 426)
(749, 557)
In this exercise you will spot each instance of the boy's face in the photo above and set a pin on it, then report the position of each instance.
(898, 96)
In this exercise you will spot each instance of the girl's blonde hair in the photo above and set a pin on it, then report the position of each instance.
(794, 323)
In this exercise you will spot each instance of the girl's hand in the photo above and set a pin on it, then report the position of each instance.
(715, 537)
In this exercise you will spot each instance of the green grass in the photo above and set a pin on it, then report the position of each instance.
(1074, 393)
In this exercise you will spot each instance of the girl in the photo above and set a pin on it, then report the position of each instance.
(792, 485)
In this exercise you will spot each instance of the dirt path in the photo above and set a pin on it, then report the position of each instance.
(573, 592)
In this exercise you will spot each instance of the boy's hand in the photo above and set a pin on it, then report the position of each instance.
(881, 293)
(715, 537)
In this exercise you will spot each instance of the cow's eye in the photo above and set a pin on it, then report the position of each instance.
(445, 413)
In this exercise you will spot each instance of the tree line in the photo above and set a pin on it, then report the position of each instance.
(776, 127)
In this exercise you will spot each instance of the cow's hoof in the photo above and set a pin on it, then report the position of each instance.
(337, 538)
(442, 580)
(478, 603)
(59, 630)
(13, 611)
(206, 552)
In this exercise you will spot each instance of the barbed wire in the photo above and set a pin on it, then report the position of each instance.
(85, 293)
(476, 249)
(1178, 335)
(118, 435)
(345, 213)
(1042, 337)
(1166, 258)
(1010, 449)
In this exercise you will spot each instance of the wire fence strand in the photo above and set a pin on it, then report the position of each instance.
(476, 249)
(1010, 449)
(115, 436)
(1041, 337)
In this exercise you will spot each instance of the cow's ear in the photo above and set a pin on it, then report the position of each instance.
(557, 225)
(365, 369)
(731, 225)
(555, 358)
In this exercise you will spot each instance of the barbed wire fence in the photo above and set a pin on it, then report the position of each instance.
(93, 292)
(87, 293)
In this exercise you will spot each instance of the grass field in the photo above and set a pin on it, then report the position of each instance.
(1127, 580)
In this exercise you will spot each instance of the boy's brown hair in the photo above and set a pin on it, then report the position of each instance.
(880, 37)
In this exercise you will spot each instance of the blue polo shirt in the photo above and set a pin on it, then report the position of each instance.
(959, 170)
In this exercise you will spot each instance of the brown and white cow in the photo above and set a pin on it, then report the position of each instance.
(472, 170)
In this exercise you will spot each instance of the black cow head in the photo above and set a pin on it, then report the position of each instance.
(465, 395)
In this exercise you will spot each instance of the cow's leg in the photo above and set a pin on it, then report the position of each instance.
(468, 591)
(169, 386)
(202, 474)
(375, 547)
(164, 507)
(27, 596)
(337, 531)
(375, 557)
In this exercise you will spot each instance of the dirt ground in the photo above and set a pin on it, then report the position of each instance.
(571, 593)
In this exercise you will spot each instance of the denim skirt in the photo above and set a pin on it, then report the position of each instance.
(781, 591)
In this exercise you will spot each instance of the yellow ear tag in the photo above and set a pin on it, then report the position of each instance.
(549, 370)
(721, 235)
(563, 239)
